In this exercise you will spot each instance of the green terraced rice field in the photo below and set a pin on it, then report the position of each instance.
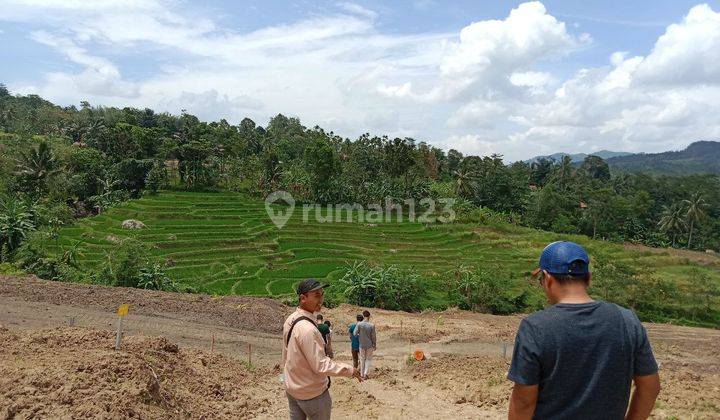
(226, 243)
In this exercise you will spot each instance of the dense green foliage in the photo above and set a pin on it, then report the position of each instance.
(383, 287)
(224, 243)
(94, 157)
(57, 163)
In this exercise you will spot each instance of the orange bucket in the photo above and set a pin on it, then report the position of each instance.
(419, 355)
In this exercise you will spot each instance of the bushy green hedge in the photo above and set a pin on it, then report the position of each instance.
(381, 287)
(488, 291)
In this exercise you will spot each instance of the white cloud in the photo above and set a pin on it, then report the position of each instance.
(478, 114)
(687, 53)
(661, 101)
(209, 104)
(397, 91)
(471, 144)
(484, 89)
(489, 52)
(358, 10)
(531, 78)
(99, 76)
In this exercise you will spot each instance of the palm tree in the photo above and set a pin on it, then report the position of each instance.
(563, 171)
(694, 212)
(541, 168)
(38, 165)
(621, 183)
(95, 127)
(672, 221)
(15, 223)
(463, 182)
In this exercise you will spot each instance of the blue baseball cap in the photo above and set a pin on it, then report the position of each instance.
(564, 257)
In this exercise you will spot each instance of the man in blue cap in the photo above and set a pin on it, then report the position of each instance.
(577, 358)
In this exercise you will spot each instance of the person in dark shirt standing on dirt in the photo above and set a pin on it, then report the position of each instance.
(329, 340)
(577, 358)
(306, 367)
(365, 331)
(355, 340)
(324, 331)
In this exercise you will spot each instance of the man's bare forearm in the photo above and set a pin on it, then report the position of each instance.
(519, 411)
(522, 402)
(643, 399)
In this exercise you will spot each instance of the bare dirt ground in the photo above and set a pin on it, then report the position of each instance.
(194, 356)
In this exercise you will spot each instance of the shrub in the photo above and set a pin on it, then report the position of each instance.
(33, 258)
(16, 222)
(129, 265)
(153, 277)
(10, 270)
(611, 279)
(479, 290)
(157, 178)
(382, 287)
(468, 213)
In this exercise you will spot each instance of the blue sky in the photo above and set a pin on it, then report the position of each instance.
(514, 78)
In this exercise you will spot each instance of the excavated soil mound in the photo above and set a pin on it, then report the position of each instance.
(76, 373)
(468, 380)
(243, 312)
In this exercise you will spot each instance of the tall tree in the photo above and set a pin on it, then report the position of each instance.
(541, 169)
(36, 167)
(595, 167)
(464, 182)
(399, 157)
(563, 172)
(694, 212)
(15, 223)
(672, 221)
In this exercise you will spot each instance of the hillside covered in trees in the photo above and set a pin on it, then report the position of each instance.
(63, 162)
(698, 157)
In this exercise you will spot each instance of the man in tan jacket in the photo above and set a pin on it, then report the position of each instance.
(307, 369)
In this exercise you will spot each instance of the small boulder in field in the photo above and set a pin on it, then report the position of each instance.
(112, 238)
(709, 251)
(133, 224)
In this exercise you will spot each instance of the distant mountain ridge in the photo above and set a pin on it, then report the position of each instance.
(698, 157)
(579, 157)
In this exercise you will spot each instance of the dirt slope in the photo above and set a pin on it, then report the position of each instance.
(76, 373)
(48, 369)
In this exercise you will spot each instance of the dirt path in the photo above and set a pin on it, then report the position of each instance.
(464, 376)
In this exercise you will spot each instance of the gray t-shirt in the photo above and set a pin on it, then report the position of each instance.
(365, 330)
(583, 357)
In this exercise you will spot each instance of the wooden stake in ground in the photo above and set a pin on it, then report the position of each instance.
(122, 311)
(212, 344)
(249, 354)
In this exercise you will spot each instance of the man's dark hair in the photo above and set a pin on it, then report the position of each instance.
(359, 317)
(328, 323)
(366, 314)
(320, 317)
(572, 278)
